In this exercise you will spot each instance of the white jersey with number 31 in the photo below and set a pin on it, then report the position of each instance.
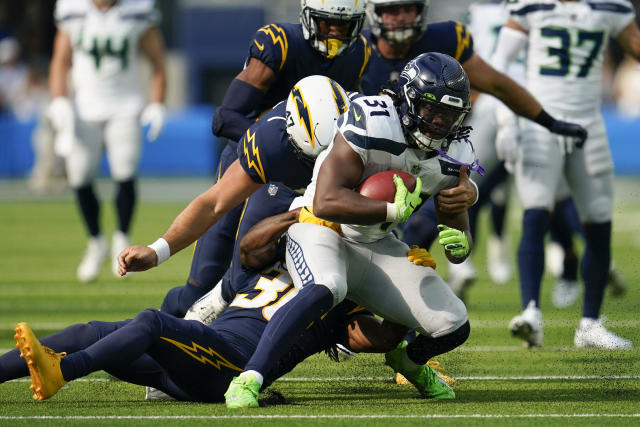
(105, 54)
(566, 49)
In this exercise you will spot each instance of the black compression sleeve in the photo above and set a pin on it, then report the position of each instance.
(230, 119)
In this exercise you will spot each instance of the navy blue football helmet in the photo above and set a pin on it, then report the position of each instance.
(433, 91)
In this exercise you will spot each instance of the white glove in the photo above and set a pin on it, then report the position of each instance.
(507, 137)
(153, 116)
(60, 113)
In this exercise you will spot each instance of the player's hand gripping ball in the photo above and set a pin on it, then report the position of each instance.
(397, 187)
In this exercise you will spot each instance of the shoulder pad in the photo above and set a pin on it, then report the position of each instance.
(70, 9)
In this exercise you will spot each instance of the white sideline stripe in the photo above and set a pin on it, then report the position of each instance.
(320, 416)
(488, 324)
(482, 378)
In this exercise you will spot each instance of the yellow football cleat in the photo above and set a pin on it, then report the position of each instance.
(400, 379)
(43, 363)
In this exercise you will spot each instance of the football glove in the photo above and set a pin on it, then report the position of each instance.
(60, 113)
(153, 116)
(570, 129)
(404, 201)
(420, 256)
(454, 241)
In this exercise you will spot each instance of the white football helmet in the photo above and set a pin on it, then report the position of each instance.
(396, 34)
(313, 107)
(349, 11)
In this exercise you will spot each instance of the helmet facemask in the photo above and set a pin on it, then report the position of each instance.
(396, 33)
(330, 46)
(434, 121)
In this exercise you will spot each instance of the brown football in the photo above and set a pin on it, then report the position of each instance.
(380, 186)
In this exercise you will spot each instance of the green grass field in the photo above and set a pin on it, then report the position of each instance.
(498, 382)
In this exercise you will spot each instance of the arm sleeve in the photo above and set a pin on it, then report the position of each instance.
(510, 43)
(230, 119)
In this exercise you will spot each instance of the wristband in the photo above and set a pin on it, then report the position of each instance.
(544, 119)
(392, 212)
(163, 252)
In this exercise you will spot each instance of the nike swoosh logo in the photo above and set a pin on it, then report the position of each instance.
(260, 46)
(355, 114)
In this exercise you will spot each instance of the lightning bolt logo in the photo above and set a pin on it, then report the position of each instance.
(279, 39)
(338, 96)
(218, 361)
(250, 138)
(464, 39)
(303, 114)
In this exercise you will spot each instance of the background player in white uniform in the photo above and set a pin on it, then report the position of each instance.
(432, 99)
(564, 68)
(98, 43)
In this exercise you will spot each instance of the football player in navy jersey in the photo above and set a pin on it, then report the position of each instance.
(327, 42)
(399, 32)
(186, 359)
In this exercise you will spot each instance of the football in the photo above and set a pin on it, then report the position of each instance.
(380, 186)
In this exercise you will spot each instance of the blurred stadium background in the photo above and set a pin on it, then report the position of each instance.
(207, 41)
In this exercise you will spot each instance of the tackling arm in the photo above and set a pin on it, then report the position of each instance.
(204, 211)
(335, 199)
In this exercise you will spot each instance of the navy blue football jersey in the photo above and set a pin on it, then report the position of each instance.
(449, 37)
(266, 154)
(259, 296)
(282, 47)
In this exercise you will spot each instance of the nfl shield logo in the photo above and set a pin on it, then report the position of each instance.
(272, 190)
(415, 169)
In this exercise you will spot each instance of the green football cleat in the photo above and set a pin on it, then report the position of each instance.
(425, 379)
(243, 392)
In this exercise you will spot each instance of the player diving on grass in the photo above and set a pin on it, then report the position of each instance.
(414, 129)
(186, 359)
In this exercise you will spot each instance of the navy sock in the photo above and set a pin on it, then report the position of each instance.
(286, 325)
(498, 213)
(565, 222)
(125, 344)
(424, 347)
(595, 266)
(89, 208)
(125, 203)
(535, 224)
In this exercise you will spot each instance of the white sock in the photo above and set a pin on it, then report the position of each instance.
(256, 374)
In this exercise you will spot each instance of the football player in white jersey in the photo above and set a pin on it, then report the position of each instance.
(97, 42)
(415, 129)
(566, 41)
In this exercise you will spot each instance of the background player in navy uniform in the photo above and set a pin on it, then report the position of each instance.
(399, 32)
(326, 42)
(186, 359)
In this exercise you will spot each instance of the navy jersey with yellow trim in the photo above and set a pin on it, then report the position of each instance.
(258, 297)
(266, 154)
(282, 47)
(449, 37)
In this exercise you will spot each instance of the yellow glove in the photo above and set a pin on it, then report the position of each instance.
(421, 256)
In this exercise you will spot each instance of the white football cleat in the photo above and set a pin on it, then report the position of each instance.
(591, 333)
(119, 242)
(155, 394)
(498, 260)
(528, 326)
(565, 293)
(461, 277)
(554, 259)
(94, 257)
(208, 307)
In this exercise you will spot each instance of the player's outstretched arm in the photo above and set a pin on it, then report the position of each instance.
(258, 248)
(335, 199)
(485, 78)
(204, 211)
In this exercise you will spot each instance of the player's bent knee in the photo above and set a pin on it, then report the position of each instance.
(449, 320)
(337, 286)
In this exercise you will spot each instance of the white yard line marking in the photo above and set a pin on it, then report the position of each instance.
(471, 378)
(320, 416)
